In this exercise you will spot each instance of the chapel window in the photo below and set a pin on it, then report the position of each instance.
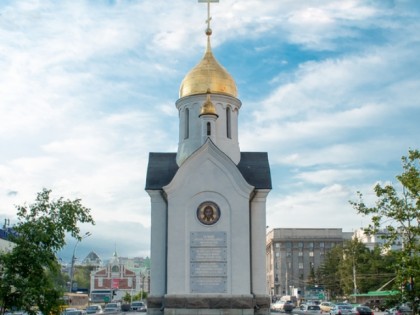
(187, 124)
(228, 123)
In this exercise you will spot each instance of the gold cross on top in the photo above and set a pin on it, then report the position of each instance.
(208, 12)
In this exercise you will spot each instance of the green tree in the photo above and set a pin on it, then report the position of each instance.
(312, 279)
(397, 211)
(354, 267)
(351, 267)
(127, 297)
(378, 272)
(82, 275)
(30, 271)
(140, 296)
(329, 276)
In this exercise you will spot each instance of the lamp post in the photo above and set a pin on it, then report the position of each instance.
(73, 259)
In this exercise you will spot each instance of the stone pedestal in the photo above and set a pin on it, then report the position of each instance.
(209, 305)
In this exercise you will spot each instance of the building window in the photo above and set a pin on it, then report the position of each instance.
(300, 244)
(288, 244)
(300, 265)
(208, 129)
(100, 282)
(228, 123)
(277, 245)
(277, 254)
(321, 245)
(311, 254)
(300, 253)
(187, 124)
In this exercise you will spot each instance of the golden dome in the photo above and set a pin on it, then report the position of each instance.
(208, 74)
(208, 107)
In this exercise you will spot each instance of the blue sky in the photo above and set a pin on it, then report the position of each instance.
(329, 88)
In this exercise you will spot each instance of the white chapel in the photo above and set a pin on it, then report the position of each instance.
(208, 205)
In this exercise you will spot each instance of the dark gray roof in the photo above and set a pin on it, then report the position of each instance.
(255, 169)
(253, 166)
(161, 169)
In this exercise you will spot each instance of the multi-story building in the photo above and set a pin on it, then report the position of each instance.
(377, 239)
(292, 254)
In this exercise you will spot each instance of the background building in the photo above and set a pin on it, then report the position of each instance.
(5, 244)
(92, 259)
(293, 253)
(377, 239)
(115, 279)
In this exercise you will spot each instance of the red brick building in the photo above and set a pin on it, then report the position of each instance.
(112, 281)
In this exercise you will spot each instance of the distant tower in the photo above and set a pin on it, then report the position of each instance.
(208, 205)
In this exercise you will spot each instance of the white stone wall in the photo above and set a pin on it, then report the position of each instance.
(208, 175)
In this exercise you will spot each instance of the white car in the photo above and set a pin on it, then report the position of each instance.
(94, 309)
(278, 306)
(138, 306)
(112, 308)
(341, 309)
(306, 309)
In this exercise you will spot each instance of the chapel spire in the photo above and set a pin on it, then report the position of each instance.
(208, 106)
(208, 73)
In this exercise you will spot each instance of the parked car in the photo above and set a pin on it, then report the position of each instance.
(307, 309)
(112, 308)
(288, 306)
(138, 306)
(69, 309)
(362, 310)
(76, 312)
(125, 307)
(399, 310)
(94, 309)
(326, 307)
(341, 309)
(277, 306)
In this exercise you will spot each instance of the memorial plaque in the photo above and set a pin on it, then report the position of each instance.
(208, 262)
(208, 254)
(208, 239)
(208, 285)
(208, 269)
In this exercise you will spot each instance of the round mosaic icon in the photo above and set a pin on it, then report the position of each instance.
(208, 213)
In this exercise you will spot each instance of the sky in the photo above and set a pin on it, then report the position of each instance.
(329, 88)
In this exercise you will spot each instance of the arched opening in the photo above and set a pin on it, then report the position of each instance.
(187, 124)
(208, 129)
(228, 123)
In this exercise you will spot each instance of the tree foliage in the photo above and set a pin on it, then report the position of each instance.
(351, 267)
(397, 211)
(30, 271)
(82, 275)
(329, 276)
